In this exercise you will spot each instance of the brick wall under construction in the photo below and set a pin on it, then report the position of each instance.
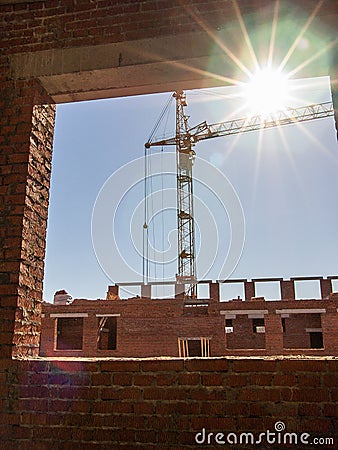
(145, 327)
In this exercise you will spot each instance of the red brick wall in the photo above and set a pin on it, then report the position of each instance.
(152, 327)
(145, 327)
(26, 127)
(61, 24)
(243, 335)
(151, 404)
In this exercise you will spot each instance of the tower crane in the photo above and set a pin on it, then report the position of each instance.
(185, 139)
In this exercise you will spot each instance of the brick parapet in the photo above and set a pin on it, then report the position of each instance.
(164, 402)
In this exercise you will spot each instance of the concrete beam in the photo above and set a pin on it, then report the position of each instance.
(185, 61)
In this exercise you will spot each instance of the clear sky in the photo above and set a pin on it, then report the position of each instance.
(286, 181)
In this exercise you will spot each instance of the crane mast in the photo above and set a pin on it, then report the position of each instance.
(185, 156)
(184, 140)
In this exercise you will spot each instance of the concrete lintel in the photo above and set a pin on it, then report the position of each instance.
(196, 338)
(144, 66)
(301, 311)
(126, 68)
(107, 315)
(126, 81)
(245, 311)
(65, 315)
(229, 316)
(313, 330)
(112, 55)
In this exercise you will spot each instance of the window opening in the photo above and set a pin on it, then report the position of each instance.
(69, 333)
(304, 331)
(316, 339)
(270, 290)
(107, 333)
(307, 289)
(74, 126)
(194, 347)
(258, 325)
(229, 326)
(230, 291)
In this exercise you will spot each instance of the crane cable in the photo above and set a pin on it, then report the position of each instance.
(147, 173)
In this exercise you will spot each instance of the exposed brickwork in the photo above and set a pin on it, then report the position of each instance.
(61, 24)
(51, 24)
(162, 403)
(26, 144)
(151, 327)
(243, 336)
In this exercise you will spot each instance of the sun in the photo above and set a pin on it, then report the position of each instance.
(266, 92)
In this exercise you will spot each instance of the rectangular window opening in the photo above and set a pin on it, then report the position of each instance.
(258, 325)
(334, 283)
(163, 291)
(307, 289)
(270, 290)
(203, 290)
(107, 333)
(229, 328)
(231, 291)
(316, 339)
(69, 333)
(302, 331)
(194, 347)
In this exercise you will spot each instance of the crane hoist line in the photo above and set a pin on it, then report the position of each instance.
(185, 139)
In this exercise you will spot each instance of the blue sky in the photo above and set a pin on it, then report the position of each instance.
(286, 182)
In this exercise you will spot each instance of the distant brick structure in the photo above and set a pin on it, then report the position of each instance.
(145, 327)
(56, 51)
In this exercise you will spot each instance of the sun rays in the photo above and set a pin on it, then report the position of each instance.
(267, 92)
(266, 86)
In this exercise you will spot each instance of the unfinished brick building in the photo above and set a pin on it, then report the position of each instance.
(143, 327)
(57, 51)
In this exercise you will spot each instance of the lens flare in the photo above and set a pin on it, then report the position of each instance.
(266, 92)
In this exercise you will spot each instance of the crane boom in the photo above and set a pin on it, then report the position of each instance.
(288, 116)
(184, 140)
